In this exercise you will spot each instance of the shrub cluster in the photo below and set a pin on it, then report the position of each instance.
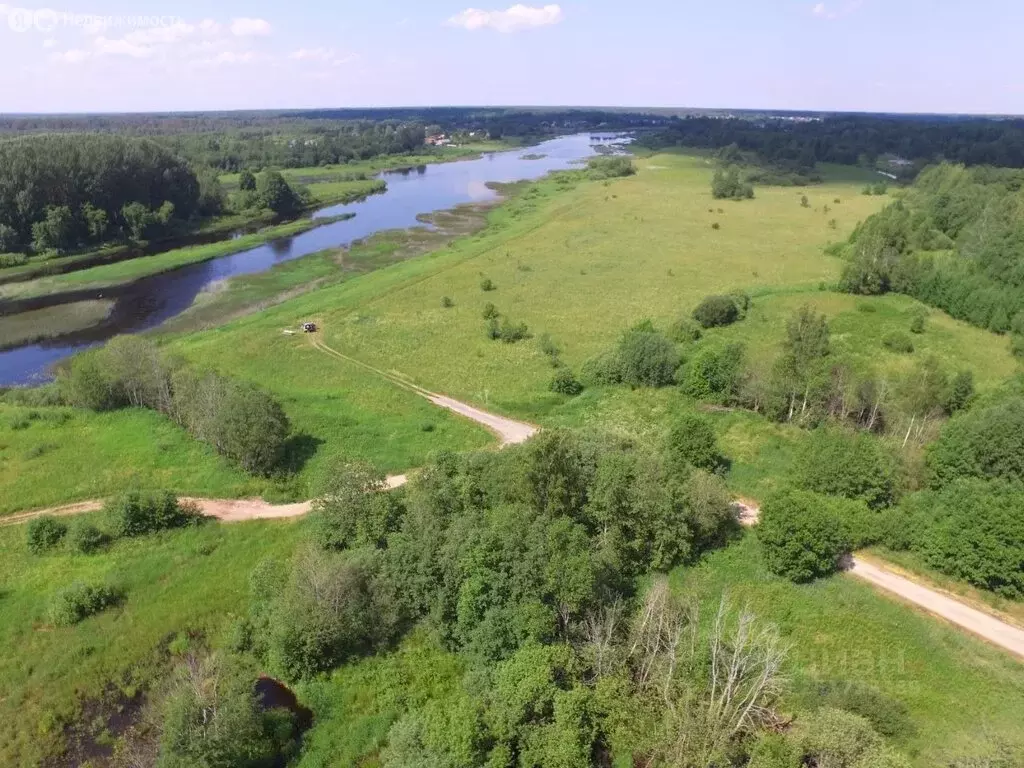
(45, 533)
(238, 419)
(136, 514)
(716, 311)
(78, 601)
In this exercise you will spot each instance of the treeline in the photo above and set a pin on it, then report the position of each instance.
(239, 420)
(852, 139)
(60, 192)
(853, 485)
(806, 384)
(297, 145)
(955, 241)
(540, 570)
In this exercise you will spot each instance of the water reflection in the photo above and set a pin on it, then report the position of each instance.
(423, 189)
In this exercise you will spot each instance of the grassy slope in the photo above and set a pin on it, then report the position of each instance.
(962, 695)
(583, 287)
(178, 582)
(579, 271)
(840, 629)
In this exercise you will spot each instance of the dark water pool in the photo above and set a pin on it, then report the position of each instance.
(151, 301)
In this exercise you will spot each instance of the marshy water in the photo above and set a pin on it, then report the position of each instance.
(146, 303)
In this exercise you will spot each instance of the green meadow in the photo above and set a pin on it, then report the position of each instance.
(579, 260)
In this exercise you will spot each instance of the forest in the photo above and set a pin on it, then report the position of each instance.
(954, 241)
(852, 139)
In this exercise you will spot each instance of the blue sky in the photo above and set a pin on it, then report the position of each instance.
(872, 55)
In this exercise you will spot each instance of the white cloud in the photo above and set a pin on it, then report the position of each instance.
(514, 19)
(74, 56)
(325, 55)
(231, 57)
(123, 47)
(245, 27)
(823, 11)
(49, 43)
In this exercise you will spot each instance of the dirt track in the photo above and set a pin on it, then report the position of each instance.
(984, 625)
(511, 432)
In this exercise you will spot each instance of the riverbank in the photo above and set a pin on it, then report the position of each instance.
(121, 273)
(236, 297)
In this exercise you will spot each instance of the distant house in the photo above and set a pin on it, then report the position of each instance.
(438, 140)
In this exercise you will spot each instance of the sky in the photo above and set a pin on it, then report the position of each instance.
(172, 55)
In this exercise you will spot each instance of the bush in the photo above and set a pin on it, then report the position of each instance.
(983, 443)
(897, 341)
(802, 537)
(550, 349)
(237, 418)
(714, 373)
(685, 331)
(610, 167)
(79, 601)
(715, 311)
(917, 323)
(564, 383)
(646, 358)
(887, 715)
(854, 465)
(973, 530)
(490, 311)
(487, 285)
(511, 332)
(44, 533)
(135, 514)
(88, 384)
(446, 302)
(1017, 345)
(692, 443)
(352, 507)
(833, 738)
(85, 538)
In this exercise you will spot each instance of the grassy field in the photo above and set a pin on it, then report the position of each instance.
(195, 582)
(579, 260)
(176, 584)
(963, 696)
(858, 325)
(26, 327)
(570, 262)
(123, 272)
(838, 630)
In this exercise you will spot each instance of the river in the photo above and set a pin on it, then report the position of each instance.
(148, 302)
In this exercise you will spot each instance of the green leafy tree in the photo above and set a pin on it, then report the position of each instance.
(246, 180)
(802, 537)
(138, 220)
(716, 311)
(646, 359)
(56, 232)
(96, 222)
(854, 465)
(211, 719)
(351, 507)
(692, 443)
(44, 533)
(715, 373)
(275, 193)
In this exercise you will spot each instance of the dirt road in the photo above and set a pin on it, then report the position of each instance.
(977, 622)
(982, 624)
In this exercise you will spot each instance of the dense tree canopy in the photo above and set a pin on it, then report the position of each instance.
(59, 191)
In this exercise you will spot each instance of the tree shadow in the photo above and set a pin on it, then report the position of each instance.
(297, 451)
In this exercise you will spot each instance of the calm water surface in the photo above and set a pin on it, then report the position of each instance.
(151, 301)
